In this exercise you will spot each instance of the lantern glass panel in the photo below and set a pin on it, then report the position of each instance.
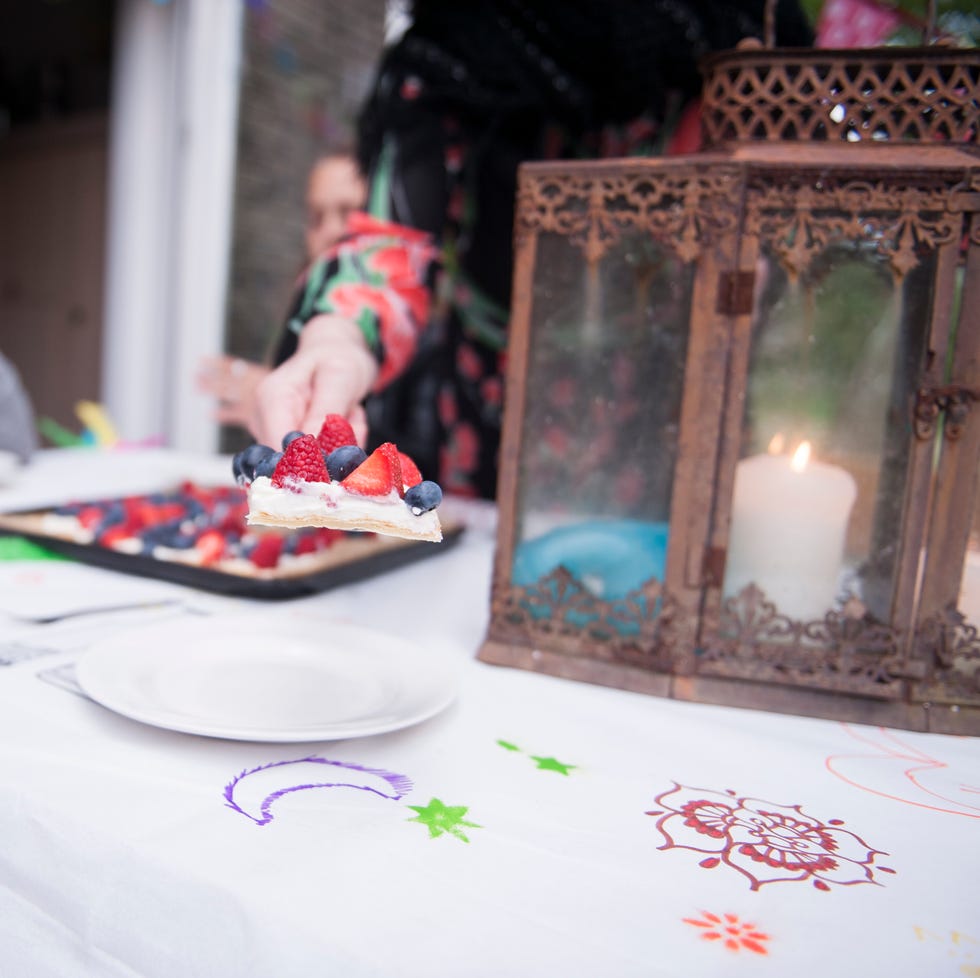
(837, 351)
(605, 374)
(969, 598)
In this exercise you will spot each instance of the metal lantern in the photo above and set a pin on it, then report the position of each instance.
(740, 452)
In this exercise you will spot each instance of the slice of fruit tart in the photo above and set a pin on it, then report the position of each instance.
(327, 480)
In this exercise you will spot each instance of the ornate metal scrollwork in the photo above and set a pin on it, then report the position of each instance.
(682, 209)
(846, 651)
(800, 217)
(559, 612)
(839, 652)
(949, 647)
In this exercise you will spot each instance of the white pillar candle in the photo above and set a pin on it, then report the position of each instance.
(789, 520)
(969, 602)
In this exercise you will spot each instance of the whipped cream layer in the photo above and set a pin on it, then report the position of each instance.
(329, 503)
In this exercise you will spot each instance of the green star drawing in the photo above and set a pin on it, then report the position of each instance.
(443, 818)
(550, 764)
(507, 745)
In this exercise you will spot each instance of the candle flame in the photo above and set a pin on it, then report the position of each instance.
(777, 444)
(800, 457)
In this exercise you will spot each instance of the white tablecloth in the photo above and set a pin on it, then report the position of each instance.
(536, 827)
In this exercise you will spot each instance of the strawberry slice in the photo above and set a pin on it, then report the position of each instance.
(375, 476)
(335, 432)
(390, 452)
(112, 536)
(211, 546)
(410, 471)
(302, 461)
(90, 516)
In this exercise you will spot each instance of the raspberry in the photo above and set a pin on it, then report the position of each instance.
(334, 432)
(302, 461)
(305, 544)
(266, 552)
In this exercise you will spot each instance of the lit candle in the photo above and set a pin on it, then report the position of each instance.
(789, 520)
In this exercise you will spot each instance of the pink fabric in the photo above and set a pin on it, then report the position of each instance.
(854, 24)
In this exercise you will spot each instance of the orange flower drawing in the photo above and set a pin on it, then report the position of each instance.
(732, 932)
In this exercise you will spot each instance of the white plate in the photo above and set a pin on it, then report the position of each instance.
(267, 678)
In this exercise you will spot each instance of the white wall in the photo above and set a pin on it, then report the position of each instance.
(171, 172)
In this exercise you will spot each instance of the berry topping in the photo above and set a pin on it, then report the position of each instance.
(290, 437)
(302, 461)
(342, 461)
(211, 546)
(243, 464)
(207, 523)
(304, 544)
(112, 536)
(410, 471)
(423, 497)
(334, 432)
(90, 516)
(375, 476)
(268, 465)
(266, 552)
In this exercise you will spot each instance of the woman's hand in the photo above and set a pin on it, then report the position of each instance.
(232, 383)
(331, 372)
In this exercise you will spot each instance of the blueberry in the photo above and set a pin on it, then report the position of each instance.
(171, 535)
(181, 541)
(192, 509)
(268, 465)
(114, 513)
(243, 464)
(161, 533)
(246, 545)
(423, 497)
(236, 469)
(287, 439)
(342, 461)
(151, 537)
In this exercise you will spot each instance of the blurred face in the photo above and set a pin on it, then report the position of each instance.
(335, 189)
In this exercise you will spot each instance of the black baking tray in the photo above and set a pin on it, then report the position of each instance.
(376, 556)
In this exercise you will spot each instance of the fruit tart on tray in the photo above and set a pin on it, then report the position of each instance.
(317, 513)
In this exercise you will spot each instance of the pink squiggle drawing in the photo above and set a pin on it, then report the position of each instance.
(892, 769)
(387, 784)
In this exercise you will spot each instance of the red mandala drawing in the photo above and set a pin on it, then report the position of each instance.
(765, 842)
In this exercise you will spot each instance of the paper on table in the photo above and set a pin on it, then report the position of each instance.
(40, 591)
